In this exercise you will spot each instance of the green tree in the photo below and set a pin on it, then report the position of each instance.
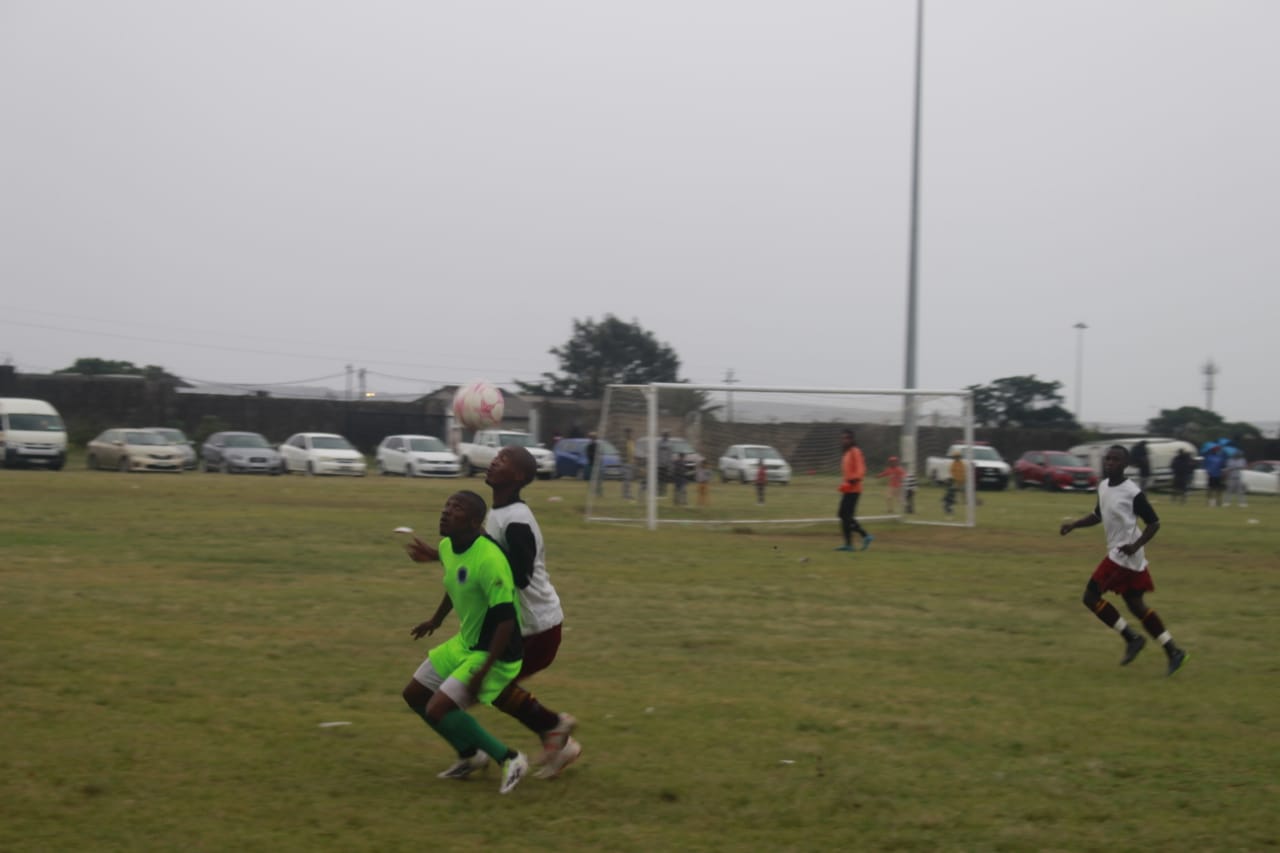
(105, 366)
(601, 354)
(1021, 401)
(1197, 425)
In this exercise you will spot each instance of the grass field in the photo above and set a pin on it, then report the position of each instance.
(171, 645)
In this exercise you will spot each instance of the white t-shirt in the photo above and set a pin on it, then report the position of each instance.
(539, 603)
(1116, 508)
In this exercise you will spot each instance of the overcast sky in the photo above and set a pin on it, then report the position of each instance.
(265, 191)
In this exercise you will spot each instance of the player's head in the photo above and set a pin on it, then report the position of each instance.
(463, 513)
(893, 460)
(848, 439)
(1116, 460)
(513, 466)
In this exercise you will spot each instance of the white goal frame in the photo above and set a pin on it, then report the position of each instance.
(908, 453)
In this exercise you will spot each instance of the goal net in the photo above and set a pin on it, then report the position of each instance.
(676, 453)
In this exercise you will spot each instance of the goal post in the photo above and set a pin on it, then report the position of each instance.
(735, 455)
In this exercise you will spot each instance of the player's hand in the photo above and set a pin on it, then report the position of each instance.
(1067, 527)
(424, 629)
(421, 552)
(1128, 549)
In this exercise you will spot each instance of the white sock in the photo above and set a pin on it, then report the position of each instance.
(1165, 639)
(1120, 625)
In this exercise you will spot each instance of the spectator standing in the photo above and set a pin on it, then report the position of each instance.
(1215, 462)
(628, 462)
(679, 476)
(1183, 466)
(762, 480)
(704, 483)
(1141, 459)
(1235, 479)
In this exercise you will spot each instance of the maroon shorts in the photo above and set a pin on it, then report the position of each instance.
(1113, 577)
(539, 651)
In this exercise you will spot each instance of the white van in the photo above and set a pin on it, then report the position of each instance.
(31, 431)
(1160, 453)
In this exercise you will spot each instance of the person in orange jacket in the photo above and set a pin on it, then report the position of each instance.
(853, 468)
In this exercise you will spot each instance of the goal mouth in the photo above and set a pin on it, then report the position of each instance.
(740, 456)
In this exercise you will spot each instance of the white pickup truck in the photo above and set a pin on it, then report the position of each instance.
(475, 455)
(992, 471)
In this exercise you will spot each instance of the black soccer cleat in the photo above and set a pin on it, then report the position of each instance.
(1176, 660)
(1131, 649)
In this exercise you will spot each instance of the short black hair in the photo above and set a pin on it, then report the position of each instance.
(478, 508)
(1123, 450)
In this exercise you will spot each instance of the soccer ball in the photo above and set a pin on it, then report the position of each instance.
(478, 405)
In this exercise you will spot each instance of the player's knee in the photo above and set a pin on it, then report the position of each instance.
(1092, 595)
(1137, 606)
(415, 695)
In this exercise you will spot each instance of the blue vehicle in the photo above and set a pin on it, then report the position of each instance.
(571, 458)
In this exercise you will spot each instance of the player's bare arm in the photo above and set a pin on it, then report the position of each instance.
(426, 629)
(421, 552)
(1148, 533)
(502, 634)
(1087, 521)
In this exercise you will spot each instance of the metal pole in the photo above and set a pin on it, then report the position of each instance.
(1079, 327)
(909, 379)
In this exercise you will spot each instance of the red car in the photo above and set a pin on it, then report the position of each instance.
(1053, 470)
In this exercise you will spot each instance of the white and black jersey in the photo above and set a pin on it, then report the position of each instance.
(1119, 508)
(516, 530)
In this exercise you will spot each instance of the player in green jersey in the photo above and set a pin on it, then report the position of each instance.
(481, 659)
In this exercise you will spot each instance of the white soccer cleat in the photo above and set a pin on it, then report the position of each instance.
(513, 770)
(558, 761)
(464, 767)
(555, 738)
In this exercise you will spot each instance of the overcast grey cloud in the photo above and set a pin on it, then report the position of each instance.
(268, 191)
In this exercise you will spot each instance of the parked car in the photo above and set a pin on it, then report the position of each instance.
(1053, 470)
(178, 439)
(133, 450)
(571, 458)
(741, 461)
(239, 453)
(676, 446)
(1160, 453)
(1259, 478)
(416, 456)
(321, 453)
(1262, 477)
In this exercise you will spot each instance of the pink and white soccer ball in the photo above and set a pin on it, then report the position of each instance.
(478, 405)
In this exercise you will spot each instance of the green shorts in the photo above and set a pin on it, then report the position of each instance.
(453, 660)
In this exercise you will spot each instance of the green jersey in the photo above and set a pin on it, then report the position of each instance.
(479, 584)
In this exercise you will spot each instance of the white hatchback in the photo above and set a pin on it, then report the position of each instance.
(417, 456)
(741, 462)
(321, 453)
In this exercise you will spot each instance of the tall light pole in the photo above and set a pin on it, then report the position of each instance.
(909, 380)
(1079, 327)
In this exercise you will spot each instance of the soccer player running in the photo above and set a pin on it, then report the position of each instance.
(475, 664)
(1124, 570)
(852, 470)
(512, 525)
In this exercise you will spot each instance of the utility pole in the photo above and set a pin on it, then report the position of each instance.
(1209, 370)
(363, 392)
(1079, 327)
(347, 393)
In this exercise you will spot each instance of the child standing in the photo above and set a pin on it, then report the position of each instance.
(896, 475)
(958, 474)
(762, 480)
(704, 483)
(678, 478)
